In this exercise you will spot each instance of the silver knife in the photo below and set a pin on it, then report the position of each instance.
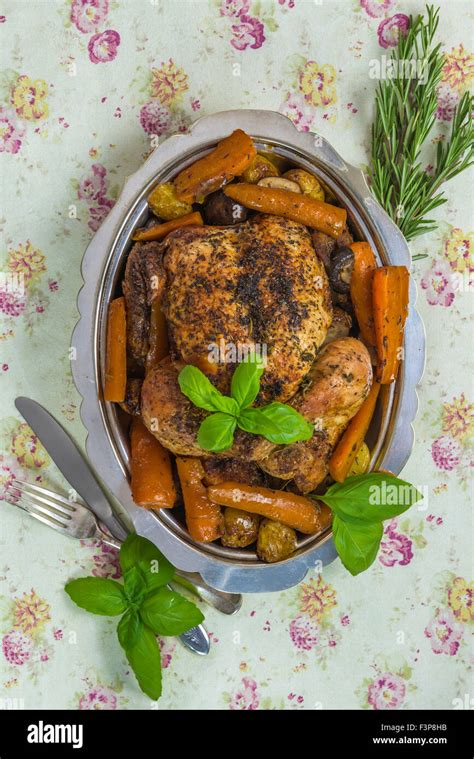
(69, 460)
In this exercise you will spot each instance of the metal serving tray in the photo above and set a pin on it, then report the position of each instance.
(391, 434)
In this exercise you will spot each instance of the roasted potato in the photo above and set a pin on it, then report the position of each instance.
(259, 168)
(308, 183)
(221, 211)
(361, 461)
(164, 203)
(275, 541)
(240, 528)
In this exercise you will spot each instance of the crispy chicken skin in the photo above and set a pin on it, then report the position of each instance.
(143, 282)
(175, 421)
(331, 395)
(258, 282)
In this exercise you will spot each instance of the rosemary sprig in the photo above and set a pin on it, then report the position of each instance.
(405, 115)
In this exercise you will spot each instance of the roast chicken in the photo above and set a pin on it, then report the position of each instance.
(258, 283)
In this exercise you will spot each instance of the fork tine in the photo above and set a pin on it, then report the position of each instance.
(29, 487)
(42, 505)
(42, 516)
(41, 497)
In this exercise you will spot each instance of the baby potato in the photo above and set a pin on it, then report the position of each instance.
(240, 528)
(361, 461)
(164, 202)
(259, 168)
(275, 541)
(308, 183)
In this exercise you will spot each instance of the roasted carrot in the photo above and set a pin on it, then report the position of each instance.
(390, 294)
(116, 352)
(292, 205)
(361, 289)
(152, 477)
(158, 336)
(160, 231)
(229, 159)
(204, 520)
(348, 446)
(293, 510)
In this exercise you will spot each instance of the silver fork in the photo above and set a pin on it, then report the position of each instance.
(74, 519)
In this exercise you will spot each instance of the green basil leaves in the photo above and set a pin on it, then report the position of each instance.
(276, 422)
(147, 606)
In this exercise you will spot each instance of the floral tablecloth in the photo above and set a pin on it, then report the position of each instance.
(86, 89)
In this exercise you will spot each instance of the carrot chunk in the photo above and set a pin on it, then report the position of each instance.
(160, 231)
(204, 519)
(116, 352)
(292, 205)
(293, 510)
(361, 289)
(229, 159)
(152, 477)
(390, 295)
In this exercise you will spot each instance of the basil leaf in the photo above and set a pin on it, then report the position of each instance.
(139, 552)
(145, 659)
(372, 497)
(129, 628)
(134, 585)
(198, 388)
(246, 380)
(216, 433)
(169, 613)
(276, 422)
(97, 595)
(357, 543)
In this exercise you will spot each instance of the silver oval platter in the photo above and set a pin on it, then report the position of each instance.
(391, 434)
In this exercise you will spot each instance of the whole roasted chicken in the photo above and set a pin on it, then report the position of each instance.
(258, 284)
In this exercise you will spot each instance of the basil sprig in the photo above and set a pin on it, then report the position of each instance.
(276, 422)
(360, 506)
(148, 608)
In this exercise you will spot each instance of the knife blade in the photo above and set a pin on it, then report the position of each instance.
(68, 458)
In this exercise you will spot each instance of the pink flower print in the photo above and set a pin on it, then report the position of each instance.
(446, 453)
(444, 633)
(246, 698)
(448, 100)
(93, 187)
(234, 8)
(103, 47)
(99, 213)
(12, 302)
(16, 647)
(287, 3)
(376, 8)
(438, 284)
(87, 15)
(387, 691)
(7, 473)
(106, 561)
(155, 118)
(167, 647)
(296, 109)
(390, 29)
(345, 620)
(99, 697)
(58, 634)
(248, 32)
(395, 548)
(11, 131)
(304, 633)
